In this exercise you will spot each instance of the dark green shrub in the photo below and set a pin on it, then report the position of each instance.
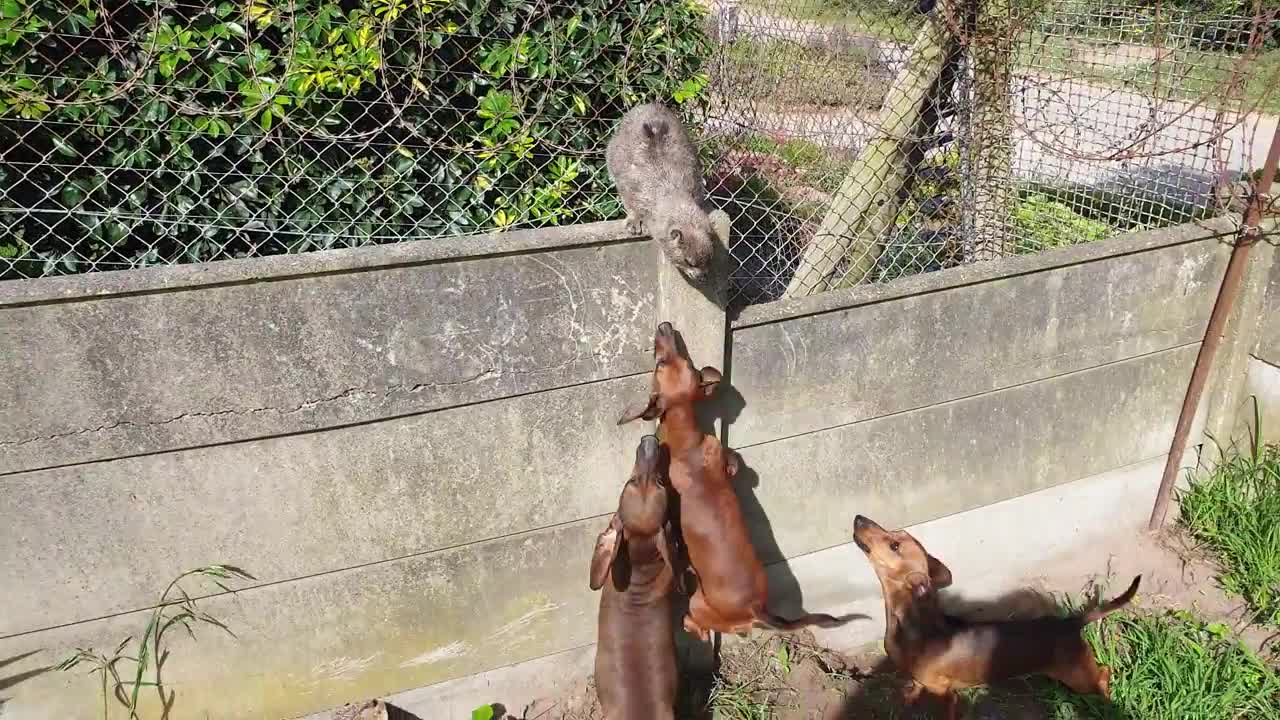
(180, 132)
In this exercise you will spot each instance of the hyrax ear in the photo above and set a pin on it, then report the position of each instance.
(676, 235)
(710, 378)
(647, 409)
(939, 574)
(605, 551)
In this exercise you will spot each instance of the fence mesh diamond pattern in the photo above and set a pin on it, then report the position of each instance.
(851, 141)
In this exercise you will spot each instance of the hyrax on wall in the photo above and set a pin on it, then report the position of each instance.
(654, 164)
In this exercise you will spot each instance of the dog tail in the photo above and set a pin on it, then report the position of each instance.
(777, 622)
(1104, 610)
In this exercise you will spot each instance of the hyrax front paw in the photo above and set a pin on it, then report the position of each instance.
(634, 224)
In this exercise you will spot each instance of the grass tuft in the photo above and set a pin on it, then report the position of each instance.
(738, 701)
(1235, 511)
(1170, 666)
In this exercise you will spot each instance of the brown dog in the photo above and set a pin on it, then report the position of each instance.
(942, 653)
(732, 586)
(636, 654)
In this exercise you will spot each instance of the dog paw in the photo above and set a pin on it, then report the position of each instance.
(635, 225)
(695, 629)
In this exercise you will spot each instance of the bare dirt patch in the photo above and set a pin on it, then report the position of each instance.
(792, 678)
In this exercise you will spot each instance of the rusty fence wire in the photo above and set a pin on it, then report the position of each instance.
(851, 141)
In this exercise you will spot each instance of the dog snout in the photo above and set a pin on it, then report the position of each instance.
(664, 340)
(647, 452)
(861, 525)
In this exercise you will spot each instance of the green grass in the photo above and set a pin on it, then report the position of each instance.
(787, 75)
(866, 17)
(1186, 73)
(738, 701)
(804, 163)
(1043, 223)
(1182, 74)
(1170, 666)
(1235, 511)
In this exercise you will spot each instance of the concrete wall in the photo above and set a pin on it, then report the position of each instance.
(948, 392)
(1262, 372)
(412, 447)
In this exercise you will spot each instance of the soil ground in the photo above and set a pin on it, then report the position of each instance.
(808, 682)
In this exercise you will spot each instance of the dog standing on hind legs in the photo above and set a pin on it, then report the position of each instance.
(636, 656)
(732, 586)
(943, 654)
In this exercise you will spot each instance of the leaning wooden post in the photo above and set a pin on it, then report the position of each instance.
(867, 200)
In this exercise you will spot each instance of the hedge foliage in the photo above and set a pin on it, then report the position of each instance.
(140, 132)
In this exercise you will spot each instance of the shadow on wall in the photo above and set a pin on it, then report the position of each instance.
(8, 681)
(379, 710)
(878, 694)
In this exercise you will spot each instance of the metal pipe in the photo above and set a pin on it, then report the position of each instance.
(1228, 291)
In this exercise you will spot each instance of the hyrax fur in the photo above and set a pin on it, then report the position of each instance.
(654, 165)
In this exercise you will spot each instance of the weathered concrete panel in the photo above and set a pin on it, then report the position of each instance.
(315, 643)
(819, 371)
(1268, 347)
(1262, 382)
(925, 464)
(991, 550)
(101, 538)
(129, 374)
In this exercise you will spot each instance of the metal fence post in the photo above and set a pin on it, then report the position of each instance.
(1228, 292)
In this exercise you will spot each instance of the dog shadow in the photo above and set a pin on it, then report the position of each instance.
(396, 713)
(879, 691)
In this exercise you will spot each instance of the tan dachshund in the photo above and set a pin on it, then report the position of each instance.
(732, 586)
(943, 653)
(636, 654)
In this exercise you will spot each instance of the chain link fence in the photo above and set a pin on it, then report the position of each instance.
(143, 132)
(857, 141)
(851, 141)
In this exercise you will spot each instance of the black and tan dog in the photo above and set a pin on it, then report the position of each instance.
(942, 653)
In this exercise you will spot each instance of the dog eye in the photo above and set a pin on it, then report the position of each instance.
(894, 546)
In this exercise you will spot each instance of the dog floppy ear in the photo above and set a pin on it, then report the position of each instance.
(646, 409)
(710, 378)
(606, 550)
(939, 574)
(667, 548)
(732, 463)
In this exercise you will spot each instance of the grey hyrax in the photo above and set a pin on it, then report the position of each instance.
(655, 166)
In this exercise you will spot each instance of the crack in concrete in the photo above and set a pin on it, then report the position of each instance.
(351, 393)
